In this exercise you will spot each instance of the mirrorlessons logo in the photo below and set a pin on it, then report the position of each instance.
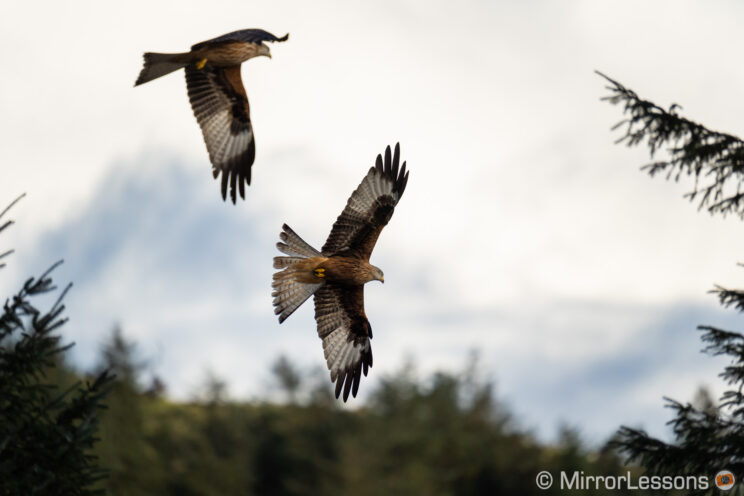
(578, 480)
(582, 482)
(725, 480)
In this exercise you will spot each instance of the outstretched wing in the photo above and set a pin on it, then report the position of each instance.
(345, 331)
(221, 107)
(369, 208)
(245, 35)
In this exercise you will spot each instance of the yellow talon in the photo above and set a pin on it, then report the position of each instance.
(200, 65)
(319, 272)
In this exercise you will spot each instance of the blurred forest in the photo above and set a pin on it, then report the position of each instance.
(445, 434)
(114, 430)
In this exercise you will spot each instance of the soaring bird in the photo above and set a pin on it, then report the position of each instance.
(336, 274)
(218, 98)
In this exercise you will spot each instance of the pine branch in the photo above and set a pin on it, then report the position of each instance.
(45, 436)
(5, 211)
(730, 297)
(18, 308)
(7, 224)
(731, 344)
(714, 159)
(705, 443)
(706, 440)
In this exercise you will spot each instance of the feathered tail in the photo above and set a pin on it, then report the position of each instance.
(296, 283)
(160, 64)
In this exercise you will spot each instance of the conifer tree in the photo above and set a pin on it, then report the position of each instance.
(709, 437)
(45, 434)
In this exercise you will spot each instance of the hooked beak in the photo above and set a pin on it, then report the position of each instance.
(382, 280)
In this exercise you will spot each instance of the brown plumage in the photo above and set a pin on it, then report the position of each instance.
(218, 98)
(336, 275)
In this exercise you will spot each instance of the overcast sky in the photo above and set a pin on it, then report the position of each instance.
(525, 233)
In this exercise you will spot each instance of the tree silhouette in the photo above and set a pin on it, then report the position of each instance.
(45, 434)
(708, 437)
(287, 376)
(715, 160)
(123, 447)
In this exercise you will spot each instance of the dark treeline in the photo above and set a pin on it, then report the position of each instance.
(446, 434)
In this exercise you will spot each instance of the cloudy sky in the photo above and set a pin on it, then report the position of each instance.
(524, 234)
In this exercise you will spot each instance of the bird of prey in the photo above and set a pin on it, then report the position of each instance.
(218, 98)
(337, 273)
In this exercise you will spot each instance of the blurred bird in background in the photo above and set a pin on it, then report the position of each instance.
(218, 98)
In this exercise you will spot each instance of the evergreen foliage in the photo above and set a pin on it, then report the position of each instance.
(709, 437)
(46, 434)
(714, 159)
(442, 435)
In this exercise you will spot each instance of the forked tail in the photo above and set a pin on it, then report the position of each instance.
(160, 64)
(297, 282)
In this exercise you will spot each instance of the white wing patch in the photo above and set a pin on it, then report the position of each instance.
(348, 353)
(222, 114)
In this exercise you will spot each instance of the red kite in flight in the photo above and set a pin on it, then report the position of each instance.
(336, 275)
(218, 98)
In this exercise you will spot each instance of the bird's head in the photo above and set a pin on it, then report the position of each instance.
(263, 49)
(377, 274)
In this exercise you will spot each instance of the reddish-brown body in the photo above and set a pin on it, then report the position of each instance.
(228, 53)
(346, 271)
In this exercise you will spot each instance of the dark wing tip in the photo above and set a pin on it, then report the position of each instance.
(339, 384)
(348, 381)
(236, 182)
(357, 379)
(393, 169)
(241, 187)
(283, 38)
(141, 77)
(233, 180)
(389, 164)
(223, 186)
(396, 161)
(401, 180)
